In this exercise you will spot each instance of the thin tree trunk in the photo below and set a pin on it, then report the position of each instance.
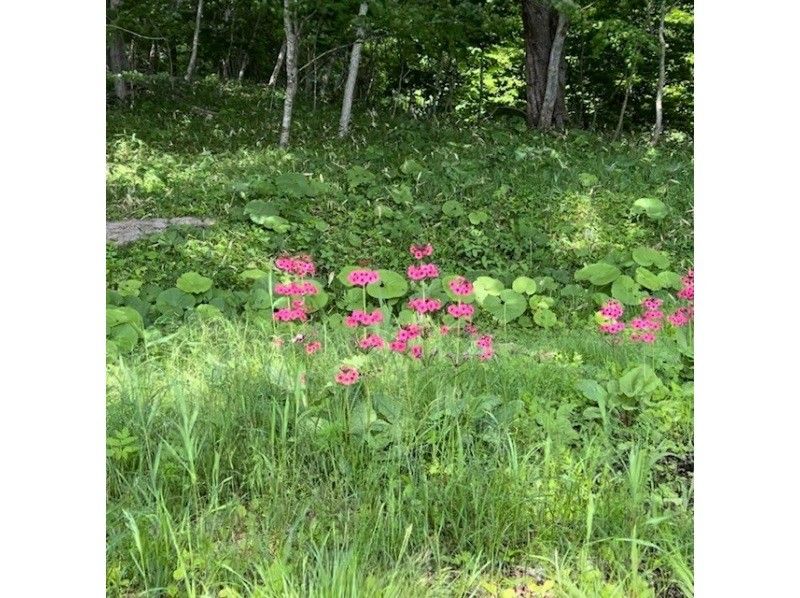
(553, 74)
(195, 42)
(290, 26)
(242, 68)
(352, 74)
(153, 58)
(618, 131)
(273, 79)
(326, 76)
(117, 60)
(662, 75)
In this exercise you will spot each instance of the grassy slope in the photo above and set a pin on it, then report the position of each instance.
(241, 476)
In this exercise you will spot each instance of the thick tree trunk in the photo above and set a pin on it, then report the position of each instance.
(195, 42)
(290, 26)
(352, 74)
(659, 126)
(553, 74)
(117, 59)
(273, 79)
(538, 41)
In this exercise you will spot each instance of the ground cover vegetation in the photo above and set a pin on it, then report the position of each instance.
(438, 340)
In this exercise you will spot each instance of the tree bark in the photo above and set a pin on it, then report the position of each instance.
(117, 59)
(352, 74)
(290, 27)
(243, 67)
(273, 79)
(195, 42)
(659, 125)
(553, 74)
(544, 34)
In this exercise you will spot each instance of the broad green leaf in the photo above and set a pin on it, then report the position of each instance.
(174, 302)
(627, 291)
(129, 288)
(192, 282)
(505, 307)
(478, 217)
(654, 208)
(587, 179)
(523, 284)
(544, 317)
(452, 208)
(592, 390)
(599, 274)
(639, 381)
(207, 311)
(253, 274)
(670, 280)
(390, 285)
(486, 285)
(647, 279)
(645, 256)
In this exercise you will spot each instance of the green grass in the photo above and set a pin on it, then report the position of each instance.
(237, 466)
(553, 202)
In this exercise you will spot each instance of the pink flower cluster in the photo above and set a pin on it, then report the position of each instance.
(423, 306)
(680, 317)
(461, 310)
(372, 341)
(347, 375)
(461, 286)
(298, 265)
(313, 347)
(289, 314)
(485, 344)
(421, 251)
(296, 289)
(358, 317)
(422, 271)
(687, 291)
(363, 277)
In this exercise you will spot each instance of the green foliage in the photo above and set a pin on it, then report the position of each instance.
(194, 283)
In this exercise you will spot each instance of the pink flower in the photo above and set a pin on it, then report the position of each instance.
(363, 277)
(612, 327)
(461, 286)
(612, 309)
(399, 346)
(648, 337)
(313, 347)
(640, 324)
(681, 317)
(371, 341)
(347, 375)
(278, 342)
(486, 354)
(484, 342)
(444, 329)
(284, 263)
(653, 314)
(301, 265)
(286, 314)
(652, 303)
(687, 292)
(471, 328)
(422, 271)
(416, 351)
(461, 310)
(421, 251)
(422, 306)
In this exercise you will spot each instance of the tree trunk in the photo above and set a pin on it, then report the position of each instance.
(553, 74)
(273, 79)
(153, 58)
(243, 67)
(618, 131)
(352, 74)
(538, 40)
(195, 42)
(659, 126)
(117, 60)
(290, 26)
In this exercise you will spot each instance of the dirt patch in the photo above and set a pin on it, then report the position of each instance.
(122, 232)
